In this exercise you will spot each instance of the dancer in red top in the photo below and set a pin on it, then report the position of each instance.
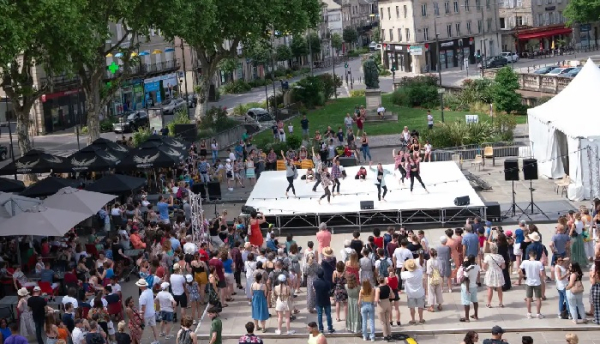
(255, 235)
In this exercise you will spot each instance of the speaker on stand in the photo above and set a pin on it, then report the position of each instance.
(530, 172)
(511, 173)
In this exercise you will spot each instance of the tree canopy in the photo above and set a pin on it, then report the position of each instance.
(350, 35)
(582, 11)
(299, 46)
(283, 53)
(506, 84)
(336, 41)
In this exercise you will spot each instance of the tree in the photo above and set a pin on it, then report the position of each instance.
(350, 35)
(215, 28)
(582, 11)
(506, 84)
(283, 53)
(376, 34)
(336, 41)
(228, 65)
(34, 33)
(314, 43)
(299, 47)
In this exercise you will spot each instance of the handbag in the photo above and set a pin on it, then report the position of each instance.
(577, 287)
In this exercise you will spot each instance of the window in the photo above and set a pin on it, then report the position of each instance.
(455, 6)
(447, 7)
(478, 4)
(426, 34)
(457, 27)
(449, 30)
(559, 1)
(519, 3)
(539, 2)
(487, 4)
(540, 19)
(424, 10)
(489, 24)
(391, 35)
(382, 35)
(519, 21)
(436, 9)
(560, 17)
(469, 27)
(381, 13)
(503, 23)
(389, 14)
(397, 11)
(407, 31)
(549, 2)
(405, 10)
(479, 26)
(399, 35)
(467, 7)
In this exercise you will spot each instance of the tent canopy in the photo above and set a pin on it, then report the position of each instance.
(11, 204)
(116, 184)
(76, 200)
(48, 186)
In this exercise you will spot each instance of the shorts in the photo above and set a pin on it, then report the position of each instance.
(468, 297)
(397, 298)
(430, 126)
(282, 306)
(529, 291)
(181, 300)
(517, 250)
(166, 316)
(221, 284)
(150, 321)
(418, 302)
(229, 279)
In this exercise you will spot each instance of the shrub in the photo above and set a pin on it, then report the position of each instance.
(357, 93)
(237, 86)
(84, 130)
(106, 125)
(216, 119)
(181, 117)
(309, 91)
(459, 133)
(478, 90)
(293, 141)
(453, 102)
(506, 84)
(353, 53)
(428, 80)
(416, 95)
(330, 83)
(140, 136)
(258, 83)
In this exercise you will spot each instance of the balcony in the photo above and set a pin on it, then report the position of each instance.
(145, 70)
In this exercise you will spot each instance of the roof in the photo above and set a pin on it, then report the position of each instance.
(331, 5)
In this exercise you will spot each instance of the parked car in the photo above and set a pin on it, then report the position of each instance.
(573, 72)
(131, 121)
(510, 56)
(544, 70)
(560, 71)
(170, 106)
(3, 152)
(493, 62)
(259, 117)
(192, 100)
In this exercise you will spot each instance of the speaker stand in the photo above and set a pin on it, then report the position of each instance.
(532, 206)
(512, 210)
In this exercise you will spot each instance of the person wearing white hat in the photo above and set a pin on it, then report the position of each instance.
(26, 326)
(146, 303)
(166, 304)
(282, 305)
(178, 288)
(229, 174)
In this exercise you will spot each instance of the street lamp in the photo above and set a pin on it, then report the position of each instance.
(332, 63)
(441, 92)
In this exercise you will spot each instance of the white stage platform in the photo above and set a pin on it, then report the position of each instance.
(444, 180)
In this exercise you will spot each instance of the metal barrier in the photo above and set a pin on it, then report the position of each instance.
(471, 151)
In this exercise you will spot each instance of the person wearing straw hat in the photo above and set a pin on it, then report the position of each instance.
(413, 286)
(539, 249)
(25, 319)
(146, 303)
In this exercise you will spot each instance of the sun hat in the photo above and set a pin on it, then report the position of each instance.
(328, 251)
(141, 283)
(410, 265)
(534, 236)
(37, 288)
(189, 278)
(164, 285)
(23, 292)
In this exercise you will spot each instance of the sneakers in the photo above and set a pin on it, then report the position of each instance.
(331, 331)
(372, 339)
(277, 332)
(291, 332)
(162, 334)
(167, 337)
(365, 339)
(529, 316)
(540, 316)
(230, 189)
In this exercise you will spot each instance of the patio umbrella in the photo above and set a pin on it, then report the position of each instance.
(116, 184)
(35, 161)
(11, 185)
(41, 220)
(149, 157)
(79, 201)
(109, 145)
(107, 153)
(11, 204)
(168, 140)
(91, 160)
(145, 53)
(48, 186)
(169, 50)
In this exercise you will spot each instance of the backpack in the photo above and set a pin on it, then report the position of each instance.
(184, 337)
(436, 277)
(384, 264)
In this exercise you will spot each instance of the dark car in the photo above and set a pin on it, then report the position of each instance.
(131, 121)
(192, 100)
(494, 62)
(3, 152)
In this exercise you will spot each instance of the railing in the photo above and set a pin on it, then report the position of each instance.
(468, 152)
(143, 69)
(538, 82)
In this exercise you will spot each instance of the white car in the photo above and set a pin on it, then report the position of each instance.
(510, 56)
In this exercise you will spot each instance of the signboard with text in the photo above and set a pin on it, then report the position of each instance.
(416, 50)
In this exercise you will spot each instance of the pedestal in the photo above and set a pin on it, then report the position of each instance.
(373, 97)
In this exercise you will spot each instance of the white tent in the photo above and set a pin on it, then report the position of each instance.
(565, 134)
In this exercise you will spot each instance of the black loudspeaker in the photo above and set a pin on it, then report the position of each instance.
(511, 169)
(367, 205)
(188, 132)
(530, 171)
(347, 162)
(247, 209)
(493, 212)
(214, 191)
(199, 189)
(462, 200)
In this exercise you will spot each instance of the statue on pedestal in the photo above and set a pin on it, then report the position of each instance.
(371, 72)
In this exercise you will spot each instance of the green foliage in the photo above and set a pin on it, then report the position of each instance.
(258, 51)
(357, 93)
(141, 136)
(106, 125)
(459, 133)
(228, 65)
(377, 35)
(216, 120)
(336, 41)
(453, 102)
(350, 35)
(258, 83)
(310, 91)
(505, 124)
(315, 43)
(181, 117)
(283, 53)
(542, 100)
(478, 90)
(582, 11)
(84, 130)
(352, 53)
(299, 46)
(293, 141)
(235, 87)
(330, 83)
(417, 91)
(506, 84)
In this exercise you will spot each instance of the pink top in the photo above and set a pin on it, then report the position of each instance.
(324, 239)
(398, 160)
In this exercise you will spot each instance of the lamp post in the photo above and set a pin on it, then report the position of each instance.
(333, 63)
(12, 149)
(437, 47)
(441, 91)
(309, 53)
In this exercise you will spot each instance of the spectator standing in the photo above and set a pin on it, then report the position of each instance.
(468, 275)
(429, 120)
(315, 336)
(413, 286)
(93, 336)
(304, 124)
(122, 337)
(38, 306)
(166, 303)
(497, 333)
(323, 238)
(146, 303)
(249, 337)
(15, 337)
(216, 326)
(178, 288)
(77, 334)
(366, 302)
(186, 334)
(534, 270)
(323, 302)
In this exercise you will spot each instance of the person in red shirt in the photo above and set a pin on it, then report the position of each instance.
(378, 239)
(221, 284)
(323, 237)
(255, 235)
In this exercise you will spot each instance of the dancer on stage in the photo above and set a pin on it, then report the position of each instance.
(380, 180)
(400, 161)
(318, 164)
(291, 173)
(336, 174)
(414, 170)
(326, 181)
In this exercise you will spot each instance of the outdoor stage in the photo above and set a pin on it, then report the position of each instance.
(444, 180)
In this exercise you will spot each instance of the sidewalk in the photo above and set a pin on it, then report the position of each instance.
(512, 318)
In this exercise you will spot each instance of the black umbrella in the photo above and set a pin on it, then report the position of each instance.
(116, 184)
(11, 185)
(48, 186)
(92, 160)
(180, 144)
(35, 161)
(107, 153)
(149, 157)
(108, 145)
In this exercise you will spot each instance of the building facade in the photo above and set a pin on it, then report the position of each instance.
(360, 15)
(464, 30)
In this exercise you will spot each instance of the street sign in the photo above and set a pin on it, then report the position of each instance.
(416, 50)
(585, 27)
(472, 118)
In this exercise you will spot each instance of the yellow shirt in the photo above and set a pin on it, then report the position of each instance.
(314, 339)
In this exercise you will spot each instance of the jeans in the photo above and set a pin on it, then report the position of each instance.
(39, 329)
(290, 185)
(366, 152)
(368, 314)
(576, 307)
(327, 310)
(215, 156)
(204, 177)
(562, 298)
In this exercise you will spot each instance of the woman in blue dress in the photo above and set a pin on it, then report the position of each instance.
(260, 309)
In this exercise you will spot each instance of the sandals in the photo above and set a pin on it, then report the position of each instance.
(430, 309)
(412, 322)
(501, 305)
(464, 320)
(474, 317)
(488, 305)
(422, 321)
(439, 307)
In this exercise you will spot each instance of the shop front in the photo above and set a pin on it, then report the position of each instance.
(452, 53)
(159, 88)
(132, 95)
(398, 56)
(545, 39)
(63, 110)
